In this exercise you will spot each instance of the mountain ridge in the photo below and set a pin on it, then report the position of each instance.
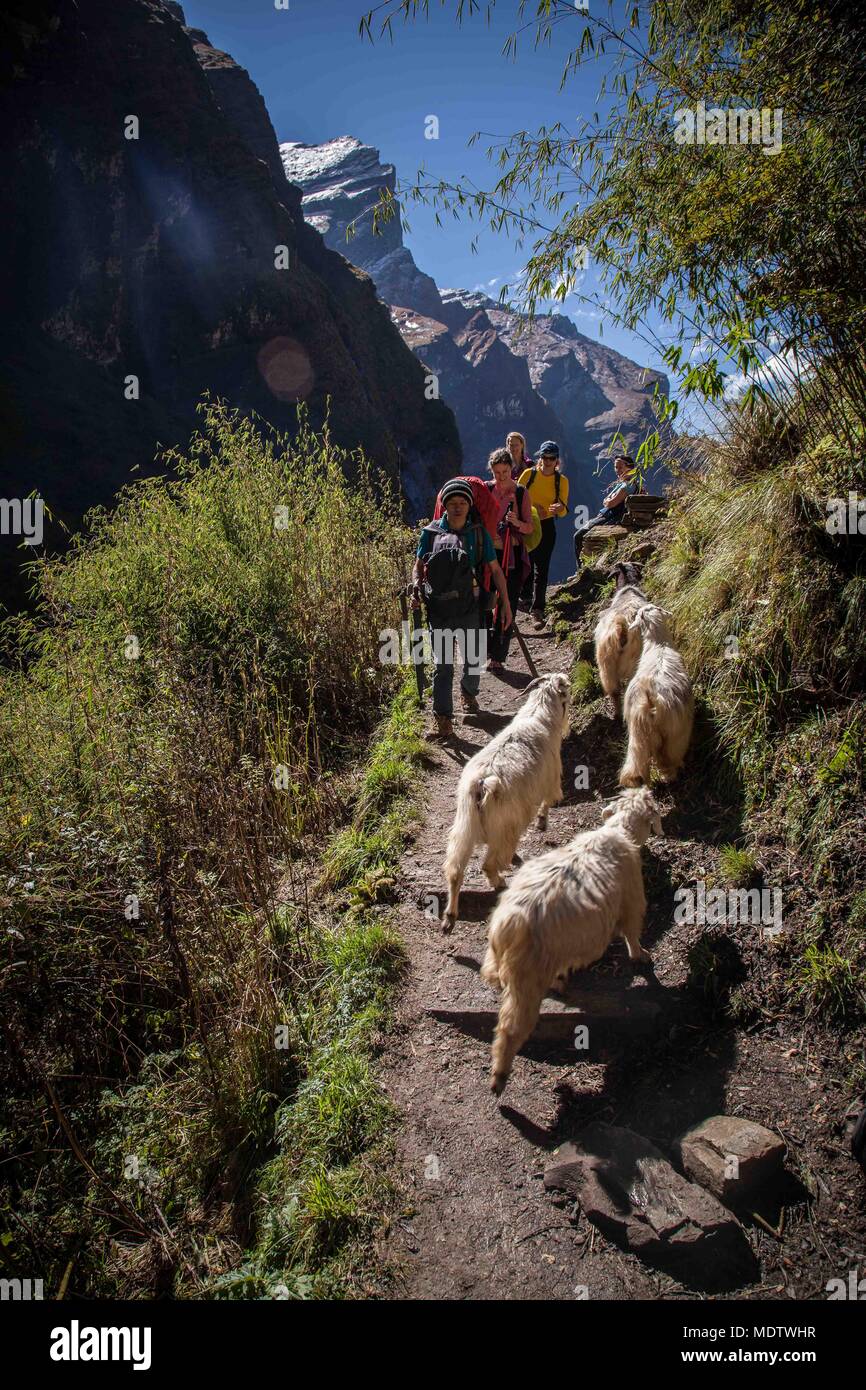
(541, 376)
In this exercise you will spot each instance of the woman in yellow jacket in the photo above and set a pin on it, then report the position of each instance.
(548, 493)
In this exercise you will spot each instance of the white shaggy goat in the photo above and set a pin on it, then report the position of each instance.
(659, 705)
(617, 644)
(517, 774)
(560, 912)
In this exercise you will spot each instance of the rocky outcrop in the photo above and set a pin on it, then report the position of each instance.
(487, 387)
(594, 391)
(179, 257)
(341, 183)
(731, 1156)
(239, 99)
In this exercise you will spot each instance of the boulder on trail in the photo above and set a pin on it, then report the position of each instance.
(627, 1188)
(730, 1156)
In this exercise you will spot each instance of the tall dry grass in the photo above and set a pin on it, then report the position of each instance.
(174, 721)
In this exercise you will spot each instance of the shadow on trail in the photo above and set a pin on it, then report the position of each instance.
(516, 679)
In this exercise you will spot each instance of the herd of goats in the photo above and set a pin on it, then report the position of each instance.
(562, 909)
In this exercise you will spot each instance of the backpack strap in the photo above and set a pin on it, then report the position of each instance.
(531, 480)
(520, 493)
(558, 478)
(480, 561)
(479, 545)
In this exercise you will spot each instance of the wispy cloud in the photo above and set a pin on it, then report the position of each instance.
(781, 367)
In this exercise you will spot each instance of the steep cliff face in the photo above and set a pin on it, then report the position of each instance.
(159, 258)
(341, 182)
(495, 370)
(594, 391)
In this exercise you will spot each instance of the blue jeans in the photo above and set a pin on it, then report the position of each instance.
(471, 642)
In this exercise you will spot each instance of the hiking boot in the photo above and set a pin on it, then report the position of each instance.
(538, 617)
(469, 703)
(444, 727)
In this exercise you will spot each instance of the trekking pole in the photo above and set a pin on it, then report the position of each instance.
(533, 669)
(412, 626)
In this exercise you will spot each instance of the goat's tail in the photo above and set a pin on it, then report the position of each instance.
(490, 967)
(512, 954)
(468, 828)
(483, 790)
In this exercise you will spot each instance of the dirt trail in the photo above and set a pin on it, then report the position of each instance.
(478, 1223)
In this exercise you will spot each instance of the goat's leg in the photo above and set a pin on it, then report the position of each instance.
(631, 927)
(672, 753)
(518, 1013)
(496, 861)
(635, 770)
(455, 868)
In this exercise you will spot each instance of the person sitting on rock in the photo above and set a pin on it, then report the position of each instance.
(448, 578)
(613, 507)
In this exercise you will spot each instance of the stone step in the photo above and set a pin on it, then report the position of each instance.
(605, 1016)
(556, 1022)
(628, 1189)
(476, 904)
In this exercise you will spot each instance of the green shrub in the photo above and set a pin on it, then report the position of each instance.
(738, 866)
(175, 721)
(584, 683)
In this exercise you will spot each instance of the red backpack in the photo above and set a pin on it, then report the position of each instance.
(485, 505)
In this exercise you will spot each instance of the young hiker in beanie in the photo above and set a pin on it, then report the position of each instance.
(548, 494)
(450, 556)
(514, 522)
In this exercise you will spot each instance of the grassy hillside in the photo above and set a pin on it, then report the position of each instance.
(768, 601)
(180, 725)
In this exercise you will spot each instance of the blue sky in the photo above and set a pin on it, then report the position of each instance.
(320, 80)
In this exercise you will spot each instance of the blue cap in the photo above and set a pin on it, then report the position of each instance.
(549, 446)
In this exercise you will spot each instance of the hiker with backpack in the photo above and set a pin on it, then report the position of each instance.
(614, 505)
(548, 493)
(514, 527)
(450, 559)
